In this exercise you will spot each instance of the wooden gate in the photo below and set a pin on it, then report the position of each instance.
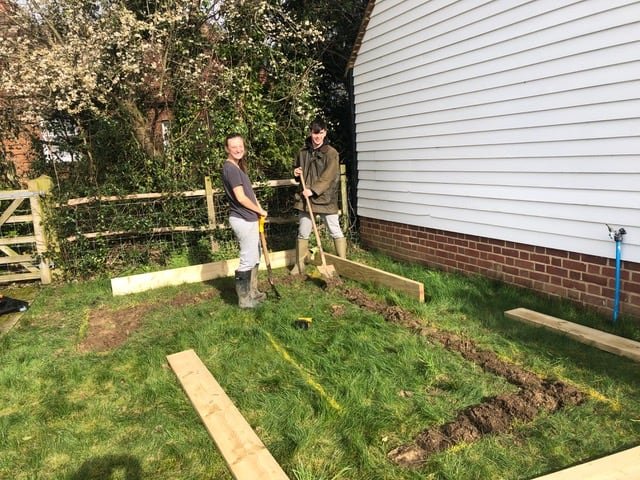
(22, 240)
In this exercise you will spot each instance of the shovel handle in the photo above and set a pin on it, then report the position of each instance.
(265, 252)
(263, 243)
(313, 223)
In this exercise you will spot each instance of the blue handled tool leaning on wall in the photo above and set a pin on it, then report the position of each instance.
(617, 236)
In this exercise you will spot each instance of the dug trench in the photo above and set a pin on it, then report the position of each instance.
(495, 414)
(108, 329)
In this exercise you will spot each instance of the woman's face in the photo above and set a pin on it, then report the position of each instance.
(235, 148)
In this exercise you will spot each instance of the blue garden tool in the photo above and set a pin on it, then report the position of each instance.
(617, 236)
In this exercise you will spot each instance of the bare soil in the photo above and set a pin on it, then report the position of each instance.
(496, 414)
(108, 329)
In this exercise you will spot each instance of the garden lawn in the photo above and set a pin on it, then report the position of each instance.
(86, 392)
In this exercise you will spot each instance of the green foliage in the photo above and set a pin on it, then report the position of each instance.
(135, 234)
(139, 62)
(341, 21)
(102, 76)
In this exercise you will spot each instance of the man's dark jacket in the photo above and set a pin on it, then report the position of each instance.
(321, 168)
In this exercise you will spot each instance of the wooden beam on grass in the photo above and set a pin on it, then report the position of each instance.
(590, 336)
(619, 466)
(245, 454)
(364, 273)
(193, 274)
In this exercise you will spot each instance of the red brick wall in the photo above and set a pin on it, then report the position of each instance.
(20, 153)
(584, 279)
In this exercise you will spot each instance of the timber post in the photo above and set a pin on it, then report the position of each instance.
(42, 185)
(344, 198)
(211, 212)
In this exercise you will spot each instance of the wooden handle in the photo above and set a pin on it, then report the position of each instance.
(263, 242)
(313, 222)
(265, 251)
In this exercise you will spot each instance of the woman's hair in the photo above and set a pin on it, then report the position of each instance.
(242, 163)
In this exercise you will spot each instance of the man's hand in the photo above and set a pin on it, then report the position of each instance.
(297, 172)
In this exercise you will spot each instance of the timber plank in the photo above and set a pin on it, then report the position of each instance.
(17, 277)
(364, 273)
(15, 259)
(245, 454)
(10, 209)
(590, 336)
(13, 194)
(17, 240)
(193, 274)
(25, 261)
(623, 465)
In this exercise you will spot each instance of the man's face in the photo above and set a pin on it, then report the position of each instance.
(235, 148)
(317, 139)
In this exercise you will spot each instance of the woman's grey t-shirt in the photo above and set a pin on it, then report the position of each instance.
(232, 177)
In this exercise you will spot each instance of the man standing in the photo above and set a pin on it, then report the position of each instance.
(320, 165)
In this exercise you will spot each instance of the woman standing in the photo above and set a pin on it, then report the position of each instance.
(244, 211)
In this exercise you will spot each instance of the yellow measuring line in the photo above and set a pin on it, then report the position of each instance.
(310, 381)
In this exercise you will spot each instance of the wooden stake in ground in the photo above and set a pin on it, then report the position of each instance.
(245, 454)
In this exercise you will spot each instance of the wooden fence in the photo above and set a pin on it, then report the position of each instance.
(208, 194)
(23, 256)
(35, 262)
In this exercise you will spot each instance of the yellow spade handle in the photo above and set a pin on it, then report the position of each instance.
(261, 224)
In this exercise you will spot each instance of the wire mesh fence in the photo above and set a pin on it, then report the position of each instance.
(123, 234)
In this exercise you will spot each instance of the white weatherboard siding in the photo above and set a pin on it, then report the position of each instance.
(509, 119)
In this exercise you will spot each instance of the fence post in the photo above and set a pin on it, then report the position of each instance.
(41, 185)
(343, 196)
(211, 212)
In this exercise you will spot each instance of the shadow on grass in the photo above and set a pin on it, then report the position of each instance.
(104, 468)
(226, 287)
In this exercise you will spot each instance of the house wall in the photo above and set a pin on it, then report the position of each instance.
(585, 279)
(515, 122)
(20, 153)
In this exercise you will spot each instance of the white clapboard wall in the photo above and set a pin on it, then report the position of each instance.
(509, 119)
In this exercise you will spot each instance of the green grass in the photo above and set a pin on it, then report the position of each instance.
(329, 402)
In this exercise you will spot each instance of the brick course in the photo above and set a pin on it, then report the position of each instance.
(20, 153)
(584, 279)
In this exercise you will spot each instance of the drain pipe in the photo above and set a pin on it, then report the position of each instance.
(617, 236)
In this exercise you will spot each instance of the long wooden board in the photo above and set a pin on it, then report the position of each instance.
(245, 454)
(196, 273)
(590, 336)
(623, 465)
(364, 273)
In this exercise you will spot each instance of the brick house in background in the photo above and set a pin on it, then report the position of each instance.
(500, 138)
(18, 151)
(155, 121)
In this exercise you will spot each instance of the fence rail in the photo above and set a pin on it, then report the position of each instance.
(148, 224)
(23, 256)
(208, 193)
